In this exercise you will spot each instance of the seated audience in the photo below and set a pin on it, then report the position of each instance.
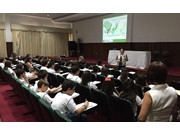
(20, 73)
(99, 64)
(63, 101)
(108, 87)
(43, 91)
(87, 67)
(129, 93)
(51, 66)
(29, 63)
(105, 72)
(42, 74)
(74, 75)
(8, 67)
(159, 102)
(57, 69)
(2, 61)
(87, 81)
(44, 64)
(30, 75)
(141, 81)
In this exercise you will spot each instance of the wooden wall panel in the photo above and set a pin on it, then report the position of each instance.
(100, 50)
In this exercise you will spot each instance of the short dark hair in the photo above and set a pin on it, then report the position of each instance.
(41, 82)
(1, 59)
(74, 69)
(87, 65)
(7, 64)
(44, 62)
(51, 63)
(105, 71)
(19, 72)
(157, 72)
(99, 62)
(19, 66)
(57, 67)
(42, 74)
(95, 69)
(67, 84)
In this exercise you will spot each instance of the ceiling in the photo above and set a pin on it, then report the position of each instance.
(64, 17)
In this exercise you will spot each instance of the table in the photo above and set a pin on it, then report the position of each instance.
(136, 59)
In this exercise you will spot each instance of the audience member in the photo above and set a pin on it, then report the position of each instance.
(63, 101)
(87, 81)
(129, 93)
(42, 74)
(74, 75)
(108, 87)
(20, 73)
(2, 61)
(51, 66)
(43, 91)
(8, 67)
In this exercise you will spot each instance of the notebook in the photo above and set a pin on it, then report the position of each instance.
(91, 105)
(131, 72)
(75, 94)
(96, 82)
(65, 73)
(178, 92)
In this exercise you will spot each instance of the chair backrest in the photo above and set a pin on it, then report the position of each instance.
(102, 100)
(59, 117)
(52, 79)
(118, 84)
(175, 84)
(26, 68)
(60, 79)
(84, 91)
(116, 73)
(65, 69)
(121, 110)
(140, 91)
(26, 91)
(100, 78)
(47, 111)
(35, 100)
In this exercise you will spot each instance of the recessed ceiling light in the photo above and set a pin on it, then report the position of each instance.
(47, 15)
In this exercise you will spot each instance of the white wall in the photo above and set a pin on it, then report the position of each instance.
(142, 28)
(90, 30)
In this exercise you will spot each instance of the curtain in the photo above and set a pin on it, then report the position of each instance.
(40, 43)
(3, 52)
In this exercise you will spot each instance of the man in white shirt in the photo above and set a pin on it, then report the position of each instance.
(65, 104)
(43, 91)
(74, 75)
(51, 66)
(42, 74)
(44, 64)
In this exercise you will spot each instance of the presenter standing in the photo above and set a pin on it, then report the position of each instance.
(121, 59)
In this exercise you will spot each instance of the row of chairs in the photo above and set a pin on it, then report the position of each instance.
(110, 108)
(41, 110)
(119, 112)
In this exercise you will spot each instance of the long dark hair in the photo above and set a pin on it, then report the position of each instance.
(129, 91)
(108, 86)
(7, 64)
(86, 78)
